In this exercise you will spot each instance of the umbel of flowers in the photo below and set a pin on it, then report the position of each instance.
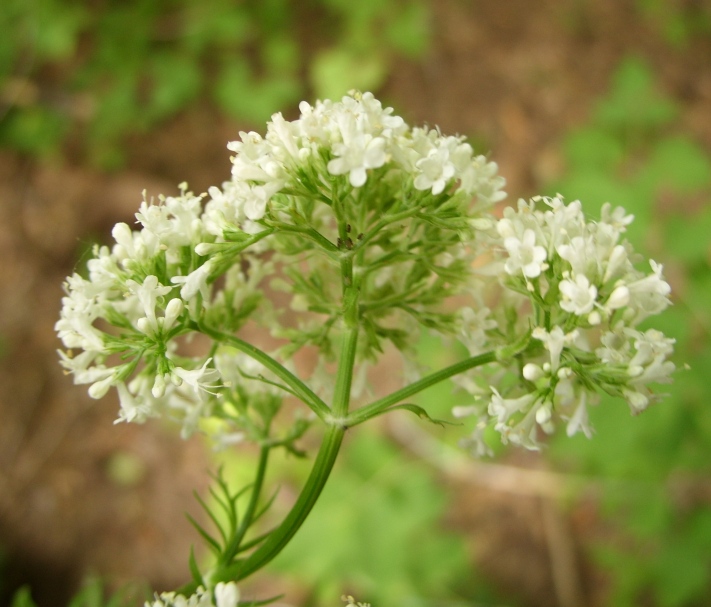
(368, 229)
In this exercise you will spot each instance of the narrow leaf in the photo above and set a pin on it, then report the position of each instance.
(421, 413)
(194, 569)
(211, 541)
(212, 516)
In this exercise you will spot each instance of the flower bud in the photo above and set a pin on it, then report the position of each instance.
(144, 326)
(100, 388)
(158, 386)
(619, 298)
(532, 372)
(172, 311)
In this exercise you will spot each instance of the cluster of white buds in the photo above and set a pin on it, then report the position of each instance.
(225, 595)
(574, 285)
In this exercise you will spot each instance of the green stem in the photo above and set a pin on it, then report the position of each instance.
(344, 378)
(308, 396)
(309, 233)
(379, 406)
(233, 547)
(520, 347)
(281, 536)
(387, 220)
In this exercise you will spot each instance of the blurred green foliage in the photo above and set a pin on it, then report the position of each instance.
(102, 70)
(655, 467)
(377, 530)
(678, 22)
(92, 594)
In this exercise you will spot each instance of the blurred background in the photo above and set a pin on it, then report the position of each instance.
(598, 100)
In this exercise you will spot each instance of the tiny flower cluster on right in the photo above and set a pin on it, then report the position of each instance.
(576, 285)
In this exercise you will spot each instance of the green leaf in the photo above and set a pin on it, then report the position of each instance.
(634, 103)
(176, 81)
(91, 595)
(224, 25)
(212, 543)
(335, 71)
(194, 569)
(33, 130)
(687, 237)
(281, 55)
(244, 97)
(377, 527)
(57, 28)
(682, 572)
(593, 148)
(409, 31)
(23, 598)
(677, 164)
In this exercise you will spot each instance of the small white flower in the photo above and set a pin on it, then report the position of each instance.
(195, 282)
(148, 294)
(473, 327)
(436, 169)
(553, 342)
(226, 594)
(524, 255)
(132, 409)
(617, 217)
(578, 295)
(360, 153)
(579, 422)
(580, 252)
(616, 264)
(476, 443)
(201, 380)
(503, 408)
(200, 598)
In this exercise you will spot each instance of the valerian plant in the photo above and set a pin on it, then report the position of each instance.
(368, 229)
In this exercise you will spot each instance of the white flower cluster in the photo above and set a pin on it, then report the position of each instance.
(124, 324)
(349, 198)
(575, 284)
(128, 315)
(355, 136)
(225, 595)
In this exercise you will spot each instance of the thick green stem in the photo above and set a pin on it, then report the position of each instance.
(281, 536)
(342, 391)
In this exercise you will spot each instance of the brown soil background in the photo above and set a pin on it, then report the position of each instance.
(515, 74)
